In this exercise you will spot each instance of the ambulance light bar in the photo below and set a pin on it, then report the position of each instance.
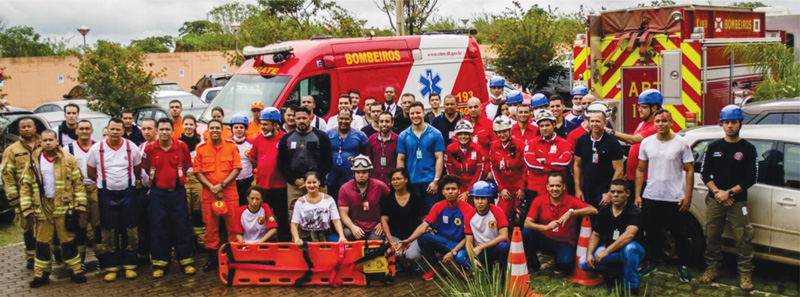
(250, 51)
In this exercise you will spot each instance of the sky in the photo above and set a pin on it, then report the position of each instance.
(126, 20)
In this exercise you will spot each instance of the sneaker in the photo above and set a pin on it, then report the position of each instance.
(746, 282)
(189, 270)
(684, 274)
(414, 267)
(78, 278)
(158, 273)
(648, 269)
(130, 274)
(709, 275)
(29, 264)
(398, 268)
(429, 275)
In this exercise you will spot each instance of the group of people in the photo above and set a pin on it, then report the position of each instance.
(437, 185)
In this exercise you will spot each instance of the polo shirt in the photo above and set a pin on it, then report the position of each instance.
(265, 151)
(216, 162)
(485, 228)
(610, 227)
(449, 221)
(383, 156)
(543, 212)
(342, 149)
(253, 225)
(118, 169)
(420, 152)
(565, 129)
(530, 132)
(166, 163)
(597, 176)
(646, 129)
(365, 212)
(446, 127)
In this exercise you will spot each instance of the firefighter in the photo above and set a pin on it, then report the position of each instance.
(217, 113)
(577, 94)
(524, 129)
(255, 126)
(150, 134)
(538, 102)
(507, 166)
(245, 178)
(545, 154)
(464, 159)
(650, 101)
(492, 107)
(80, 150)
(52, 192)
(194, 190)
(167, 161)
(15, 158)
(264, 156)
(482, 126)
(216, 165)
(513, 100)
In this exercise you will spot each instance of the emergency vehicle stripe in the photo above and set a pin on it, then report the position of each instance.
(691, 73)
(580, 55)
(612, 85)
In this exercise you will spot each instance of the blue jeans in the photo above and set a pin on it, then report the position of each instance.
(144, 218)
(430, 243)
(623, 262)
(119, 214)
(497, 253)
(421, 189)
(536, 241)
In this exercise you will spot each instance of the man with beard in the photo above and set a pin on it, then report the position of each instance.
(402, 120)
(435, 102)
(359, 202)
(388, 96)
(301, 151)
(264, 156)
(16, 158)
(382, 148)
(66, 131)
(132, 132)
(346, 143)
(421, 150)
(446, 122)
(375, 110)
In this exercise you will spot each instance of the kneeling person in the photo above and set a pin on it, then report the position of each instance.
(359, 202)
(254, 222)
(614, 246)
(486, 229)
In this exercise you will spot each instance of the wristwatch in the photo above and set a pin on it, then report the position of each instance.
(571, 210)
(731, 193)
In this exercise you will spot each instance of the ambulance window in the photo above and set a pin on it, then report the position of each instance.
(319, 87)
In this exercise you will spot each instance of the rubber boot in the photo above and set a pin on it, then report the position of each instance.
(212, 262)
(39, 281)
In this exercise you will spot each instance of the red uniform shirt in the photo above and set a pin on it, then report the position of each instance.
(530, 132)
(543, 212)
(557, 155)
(482, 133)
(573, 136)
(645, 129)
(466, 165)
(383, 156)
(507, 165)
(265, 151)
(167, 163)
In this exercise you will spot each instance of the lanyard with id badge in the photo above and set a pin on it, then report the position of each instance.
(595, 156)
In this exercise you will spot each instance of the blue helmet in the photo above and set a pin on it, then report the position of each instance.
(240, 119)
(497, 82)
(651, 96)
(539, 100)
(270, 114)
(579, 90)
(482, 189)
(514, 97)
(731, 112)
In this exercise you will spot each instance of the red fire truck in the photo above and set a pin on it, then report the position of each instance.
(680, 50)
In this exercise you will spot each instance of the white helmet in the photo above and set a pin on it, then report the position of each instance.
(597, 107)
(501, 123)
(464, 126)
(543, 115)
(360, 162)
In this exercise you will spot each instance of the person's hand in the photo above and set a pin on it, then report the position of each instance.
(448, 257)
(727, 203)
(552, 225)
(463, 196)
(478, 249)
(403, 245)
(300, 182)
(564, 218)
(216, 189)
(378, 230)
(239, 239)
(605, 200)
(342, 238)
(638, 201)
(505, 195)
(298, 242)
(685, 203)
(433, 187)
(579, 194)
(600, 255)
(590, 260)
(219, 195)
(357, 232)
(721, 195)
(520, 195)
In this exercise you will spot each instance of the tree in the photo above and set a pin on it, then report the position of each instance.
(415, 12)
(117, 78)
(776, 63)
(23, 41)
(154, 44)
(226, 15)
(749, 4)
(657, 3)
(3, 101)
(199, 27)
(443, 24)
(301, 11)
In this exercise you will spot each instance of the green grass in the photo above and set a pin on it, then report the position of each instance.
(10, 234)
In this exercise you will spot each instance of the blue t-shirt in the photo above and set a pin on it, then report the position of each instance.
(341, 150)
(421, 166)
(449, 222)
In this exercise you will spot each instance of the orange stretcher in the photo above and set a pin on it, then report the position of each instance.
(359, 263)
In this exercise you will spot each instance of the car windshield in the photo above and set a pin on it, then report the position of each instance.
(242, 90)
(98, 123)
(211, 95)
(187, 101)
(168, 87)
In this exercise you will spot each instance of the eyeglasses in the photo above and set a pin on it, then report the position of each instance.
(616, 192)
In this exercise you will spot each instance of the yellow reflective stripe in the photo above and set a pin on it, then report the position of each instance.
(11, 190)
(187, 261)
(159, 263)
(42, 264)
(73, 261)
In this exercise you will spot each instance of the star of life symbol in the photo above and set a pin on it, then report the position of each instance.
(430, 83)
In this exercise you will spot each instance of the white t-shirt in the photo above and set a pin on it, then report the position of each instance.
(315, 217)
(665, 159)
(250, 223)
(48, 176)
(319, 123)
(485, 228)
(145, 174)
(81, 155)
(491, 110)
(244, 151)
(116, 165)
(357, 123)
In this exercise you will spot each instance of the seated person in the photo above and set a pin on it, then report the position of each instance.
(447, 219)
(359, 202)
(486, 229)
(400, 213)
(254, 222)
(614, 247)
(552, 225)
(313, 215)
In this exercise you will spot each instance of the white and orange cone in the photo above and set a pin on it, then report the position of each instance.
(580, 276)
(517, 277)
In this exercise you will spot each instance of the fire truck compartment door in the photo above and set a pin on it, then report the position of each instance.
(671, 79)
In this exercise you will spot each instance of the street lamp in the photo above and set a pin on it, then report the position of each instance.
(465, 21)
(235, 28)
(84, 30)
(362, 22)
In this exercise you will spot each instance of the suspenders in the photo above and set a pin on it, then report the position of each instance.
(102, 163)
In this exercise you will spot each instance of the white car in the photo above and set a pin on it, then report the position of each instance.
(772, 202)
(209, 94)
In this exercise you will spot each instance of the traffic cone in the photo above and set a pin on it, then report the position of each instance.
(517, 277)
(580, 276)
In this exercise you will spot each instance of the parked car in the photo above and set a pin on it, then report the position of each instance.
(99, 121)
(191, 103)
(209, 94)
(151, 111)
(59, 105)
(8, 135)
(772, 202)
(78, 92)
(167, 86)
(783, 111)
(210, 81)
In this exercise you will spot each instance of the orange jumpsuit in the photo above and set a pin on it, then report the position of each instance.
(178, 128)
(216, 163)
(253, 130)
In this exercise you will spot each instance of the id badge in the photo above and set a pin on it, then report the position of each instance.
(419, 154)
(502, 164)
(475, 139)
(293, 145)
(553, 149)
(452, 133)
(595, 158)
(474, 156)
(555, 230)
(383, 161)
(615, 235)
(365, 204)
(444, 219)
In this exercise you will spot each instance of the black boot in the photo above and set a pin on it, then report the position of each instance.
(29, 264)
(212, 262)
(78, 278)
(39, 281)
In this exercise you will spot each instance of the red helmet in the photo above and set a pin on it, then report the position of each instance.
(219, 207)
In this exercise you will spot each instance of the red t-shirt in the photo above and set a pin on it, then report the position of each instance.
(543, 212)
(167, 163)
(265, 151)
(573, 136)
(645, 129)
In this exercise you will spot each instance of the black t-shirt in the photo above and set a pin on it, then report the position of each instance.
(445, 126)
(607, 225)
(730, 164)
(403, 220)
(190, 142)
(401, 122)
(597, 175)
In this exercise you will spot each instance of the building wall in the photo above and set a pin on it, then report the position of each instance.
(36, 80)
